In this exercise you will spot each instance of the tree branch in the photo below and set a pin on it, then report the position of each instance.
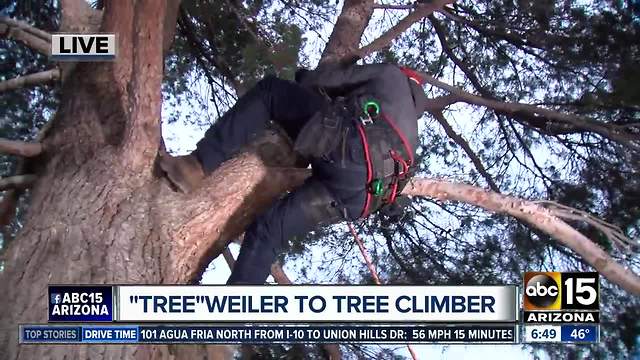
(516, 39)
(27, 28)
(217, 212)
(276, 269)
(437, 26)
(612, 232)
(137, 77)
(441, 102)
(529, 120)
(540, 123)
(535, 215)
(17, 182)
(34, 38)
(279, 275)
(347, 32)
(79, 16)
(421, 11)
(9, 202)
(467, 149)
(14, 147)
(169, 28)
(246, 25)
(8, 206)
(610, 131)
(217, 61)
(228, 257)
(393, 7)
(30, 80)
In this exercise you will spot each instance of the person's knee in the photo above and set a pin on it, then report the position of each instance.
(321, 207)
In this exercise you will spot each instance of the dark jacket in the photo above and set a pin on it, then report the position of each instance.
(399, 97)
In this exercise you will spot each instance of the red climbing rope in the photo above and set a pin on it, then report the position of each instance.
(373, 271)
(365, 255)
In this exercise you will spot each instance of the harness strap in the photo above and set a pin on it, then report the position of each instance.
(387, 169)
(367, 157)
(403, 138)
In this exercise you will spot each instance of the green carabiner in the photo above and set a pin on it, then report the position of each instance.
(371, 104)
(377, 186)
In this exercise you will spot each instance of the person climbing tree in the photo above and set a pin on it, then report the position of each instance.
(355, 124)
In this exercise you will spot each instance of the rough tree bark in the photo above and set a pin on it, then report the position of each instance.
(99, 214)
(99, 211)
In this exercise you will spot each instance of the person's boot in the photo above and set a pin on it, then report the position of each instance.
(185, 172)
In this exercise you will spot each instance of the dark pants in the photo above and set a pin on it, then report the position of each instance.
(334, 192)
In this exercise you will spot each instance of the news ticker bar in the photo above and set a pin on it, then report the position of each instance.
(562, 333)
(285, 304)
(267, 333)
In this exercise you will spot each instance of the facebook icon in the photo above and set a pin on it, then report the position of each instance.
(56, 299)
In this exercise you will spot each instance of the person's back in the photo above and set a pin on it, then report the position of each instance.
(385, 82)
(400, 103)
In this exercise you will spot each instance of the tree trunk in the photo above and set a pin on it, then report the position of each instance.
(91, 221)
(94, 219)
(99, 211)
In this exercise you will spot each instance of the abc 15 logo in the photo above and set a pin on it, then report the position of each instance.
(561, 291)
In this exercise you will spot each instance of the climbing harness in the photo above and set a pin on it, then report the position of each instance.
(387, 153)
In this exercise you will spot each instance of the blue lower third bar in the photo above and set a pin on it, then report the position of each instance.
(45, 334)
(580, 333)
(109, 334)
(273, 333)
